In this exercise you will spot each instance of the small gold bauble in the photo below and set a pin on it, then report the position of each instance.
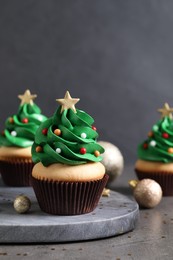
(106, 192)
(147, 192)
(22, 204)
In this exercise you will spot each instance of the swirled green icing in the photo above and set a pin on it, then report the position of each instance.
(69, 142)
(20, 128)
(159, 143)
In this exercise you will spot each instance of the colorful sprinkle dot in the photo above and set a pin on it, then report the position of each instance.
(153, 143)
(155, 127)
(13, 133)
(11, 120)
(170, 150)
(94, 128)
(97, 153)
(58, 150)
(57, 132)
(25, 120)
(145, 145)
(165, 135)
(83, 135)
(150, 134)
(83, 150)
(44, 131)
(38, 149)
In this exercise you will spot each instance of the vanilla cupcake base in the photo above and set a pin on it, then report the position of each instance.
(14, 152)
(63, 172)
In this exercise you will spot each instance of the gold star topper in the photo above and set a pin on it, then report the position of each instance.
(27, 98)
(166, 110)
(68, 102)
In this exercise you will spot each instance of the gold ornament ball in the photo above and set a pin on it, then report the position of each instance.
(112, 160)
(147, 193)
(22, 204)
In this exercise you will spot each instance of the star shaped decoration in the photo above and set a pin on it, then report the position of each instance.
(106, 192)
(67, 102)
(27, 98)
(166, 110)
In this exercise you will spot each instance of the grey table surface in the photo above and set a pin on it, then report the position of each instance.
(151, 239)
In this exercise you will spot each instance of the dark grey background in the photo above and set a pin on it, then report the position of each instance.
(116, 56)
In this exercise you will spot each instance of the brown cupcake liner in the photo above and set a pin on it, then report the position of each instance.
(68, 198)
(16, 174)
(15, 159)
(165, 179)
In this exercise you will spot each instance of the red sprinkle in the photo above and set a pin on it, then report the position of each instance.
(94, 128)
(44, 131)
(3, 133)
(165, 135)
(25, 120)
(82, 150)
(145, 145)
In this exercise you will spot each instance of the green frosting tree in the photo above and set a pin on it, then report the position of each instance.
(68, 137)
(20, 128)
(159, 144)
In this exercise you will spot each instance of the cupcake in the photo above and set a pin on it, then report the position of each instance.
(68, 177)
(155, 154)
(16, 141)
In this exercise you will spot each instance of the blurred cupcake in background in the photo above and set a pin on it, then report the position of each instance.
(16, 140)
(155, 154)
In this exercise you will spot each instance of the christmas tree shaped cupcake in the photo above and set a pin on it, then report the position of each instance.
(16, 141)
(68, 178)
(156, 152)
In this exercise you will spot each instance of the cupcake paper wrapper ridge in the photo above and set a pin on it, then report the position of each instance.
(165, 179)
(68, 198)
(16, 174)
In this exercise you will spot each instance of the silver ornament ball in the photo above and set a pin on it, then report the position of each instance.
(112, 160)
(147, 193)
(22, 204)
